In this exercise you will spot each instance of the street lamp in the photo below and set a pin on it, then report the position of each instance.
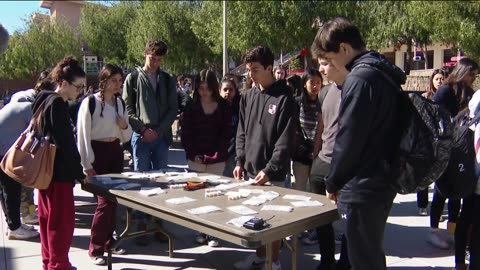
(84, 52)
(225, 39)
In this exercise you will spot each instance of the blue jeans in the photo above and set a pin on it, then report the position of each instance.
(149, 156)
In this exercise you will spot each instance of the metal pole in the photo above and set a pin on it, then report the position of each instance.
(225, 39)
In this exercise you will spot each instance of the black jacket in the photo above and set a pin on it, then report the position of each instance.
(366, 125)
(57, 122)
(265, 131)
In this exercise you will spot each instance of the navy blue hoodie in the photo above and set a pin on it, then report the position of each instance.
(366, 128)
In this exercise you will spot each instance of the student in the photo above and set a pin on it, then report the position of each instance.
(56, 210)
(279, 73)
(324, 141)
(229, 92)
(3, 39)
(265, 133)
(99, 136)
(454, 95)
(308, 107)
(436, 80)
(364, 141)
(206, 132)
(14, 119)
(151, 100)
(469, 220)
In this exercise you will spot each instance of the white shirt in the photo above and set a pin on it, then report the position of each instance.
(472, 105)
(94, 127)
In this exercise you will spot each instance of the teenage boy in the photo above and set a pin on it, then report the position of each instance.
(151, 101)
(323, 148)
(264, 135)
(364, 142)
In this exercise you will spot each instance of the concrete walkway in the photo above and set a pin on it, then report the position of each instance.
(405, 244)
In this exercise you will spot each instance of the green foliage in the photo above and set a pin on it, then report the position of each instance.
(39, 47)
(169, 21)
(104, 30)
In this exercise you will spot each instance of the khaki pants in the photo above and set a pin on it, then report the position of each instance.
(301, 172)
(215, 168)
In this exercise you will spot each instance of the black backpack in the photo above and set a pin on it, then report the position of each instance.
(424, 141)
(459, 179)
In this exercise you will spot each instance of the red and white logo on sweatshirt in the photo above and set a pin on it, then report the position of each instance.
(272, 108)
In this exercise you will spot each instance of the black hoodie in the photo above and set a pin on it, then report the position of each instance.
(57, 122)
(366, 125)
(265, 131)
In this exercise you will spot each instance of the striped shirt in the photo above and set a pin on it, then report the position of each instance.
(308, 116)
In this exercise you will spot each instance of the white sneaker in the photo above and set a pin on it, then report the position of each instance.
(22, 234)
(250, 262)
(422, 212)
(436, 240)
(212, 242)
(28, 227)
(30, 219)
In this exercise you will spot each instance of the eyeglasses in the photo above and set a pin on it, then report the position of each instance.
(78, 87)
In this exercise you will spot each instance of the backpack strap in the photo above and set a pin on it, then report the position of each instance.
(384, 75)
(91, 104)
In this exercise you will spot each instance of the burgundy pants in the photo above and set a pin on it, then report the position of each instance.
(56, 217)
(108, 159)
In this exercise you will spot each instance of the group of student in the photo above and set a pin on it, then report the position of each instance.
(347, 129)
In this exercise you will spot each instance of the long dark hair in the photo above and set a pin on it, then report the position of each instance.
(108, 71)
(207, 76)
(43, 82)
(462, 92)
(442, 71)
(68, 69)
(308, 75)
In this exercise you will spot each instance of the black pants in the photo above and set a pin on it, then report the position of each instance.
(468, 217)
(438, 203)
(10, 197)
(365, 230)
(326, 235)
(422, 198)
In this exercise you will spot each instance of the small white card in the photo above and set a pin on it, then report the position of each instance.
(242, 210)
(280, 208)
(180, 200)
(296, 197)
(204, 210)
(306, 203)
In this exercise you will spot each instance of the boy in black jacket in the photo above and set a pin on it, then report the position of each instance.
(364, 142)
(264, 135)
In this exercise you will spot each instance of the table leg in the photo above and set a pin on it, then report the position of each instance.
(294, 249)
(268, 249)
(120, 238)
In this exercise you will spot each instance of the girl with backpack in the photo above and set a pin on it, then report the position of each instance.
(100, 133)
(454, 95)
(469, 218)
(436, 80)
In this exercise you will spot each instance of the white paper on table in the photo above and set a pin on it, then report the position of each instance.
(204, 210)
(237, 194)
(218, 181)
(306, 203)
(280, 208)
(180, 200)
(155, 175)
(127, 186)
(242, 210)
(251, 190)
(182, 176)
(151, 191)
(296, 197)
(239, 221)
(206, 177)
(256, 201)
(269, 195)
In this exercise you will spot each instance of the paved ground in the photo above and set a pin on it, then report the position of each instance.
(405, 244)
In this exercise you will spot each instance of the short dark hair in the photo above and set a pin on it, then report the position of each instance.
(336, 31)
(156, 47)
(261, 54)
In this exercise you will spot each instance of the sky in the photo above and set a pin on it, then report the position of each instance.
(13, 13)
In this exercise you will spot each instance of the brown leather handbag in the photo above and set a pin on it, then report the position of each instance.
(30, 159)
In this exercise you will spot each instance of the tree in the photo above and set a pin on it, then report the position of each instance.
(106, 35)
(169, 21)
(37, 48)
